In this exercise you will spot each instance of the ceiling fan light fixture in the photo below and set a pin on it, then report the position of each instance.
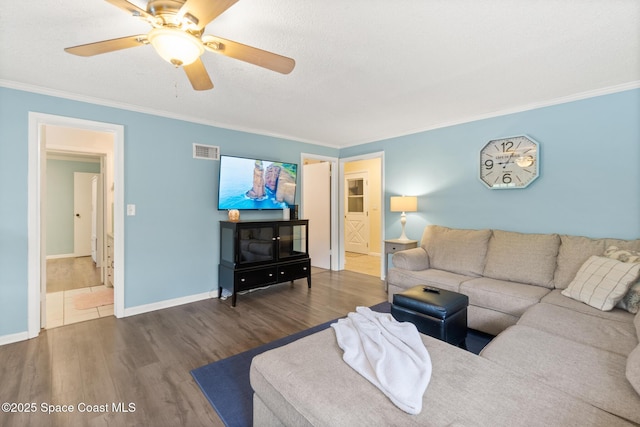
(176, 46)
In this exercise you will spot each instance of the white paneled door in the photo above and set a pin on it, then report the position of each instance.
(82, 211)
(356, 217)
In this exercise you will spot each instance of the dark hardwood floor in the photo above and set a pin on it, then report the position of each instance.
(145, 360)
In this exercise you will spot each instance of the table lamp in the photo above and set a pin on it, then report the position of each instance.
(404, 204)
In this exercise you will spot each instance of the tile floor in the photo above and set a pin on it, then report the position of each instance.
(60, 309)
(361, 263)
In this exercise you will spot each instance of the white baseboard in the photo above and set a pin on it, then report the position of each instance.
(146, 308)
(131, 311)
(10, 339)
(60, 256)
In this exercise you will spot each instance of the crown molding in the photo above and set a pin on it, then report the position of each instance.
(136, 108)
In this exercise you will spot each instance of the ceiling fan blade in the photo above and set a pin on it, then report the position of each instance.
(105, 46)
(204, 11)
(198, 75)
(131, 8)
(252, 55)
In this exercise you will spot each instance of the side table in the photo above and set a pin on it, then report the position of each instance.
(392, 246)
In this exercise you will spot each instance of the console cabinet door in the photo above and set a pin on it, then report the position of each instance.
(292, 241)
(256, 244)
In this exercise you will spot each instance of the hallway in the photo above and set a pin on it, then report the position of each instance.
(67, 280)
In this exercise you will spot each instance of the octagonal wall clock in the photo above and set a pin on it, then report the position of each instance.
(509, 163)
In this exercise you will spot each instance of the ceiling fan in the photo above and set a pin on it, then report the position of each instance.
(177, 35)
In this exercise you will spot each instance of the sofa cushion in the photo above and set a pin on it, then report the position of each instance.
(439, 278)
(555, 297)
(631, 300)
(411, 259)
(591, 374)
(456, 250)
(307, 383)
(616, 336)
(503, 296)
(602, 282)
(524, 258)
(633, 369)
(573, 252)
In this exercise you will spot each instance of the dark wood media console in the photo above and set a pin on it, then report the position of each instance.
(254, 254)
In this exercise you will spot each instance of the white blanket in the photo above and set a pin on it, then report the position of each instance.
(388, 353)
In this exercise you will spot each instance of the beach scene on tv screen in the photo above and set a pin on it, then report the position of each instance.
(256, 184)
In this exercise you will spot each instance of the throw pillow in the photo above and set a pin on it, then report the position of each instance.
(573, 252)
(623, 255)
(601, 282)
(631, 300)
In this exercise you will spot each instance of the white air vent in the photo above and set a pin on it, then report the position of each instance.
(207, 152)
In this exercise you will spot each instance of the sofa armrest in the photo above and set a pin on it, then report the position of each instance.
(411, 259)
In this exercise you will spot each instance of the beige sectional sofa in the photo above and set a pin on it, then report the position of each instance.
(555, 360)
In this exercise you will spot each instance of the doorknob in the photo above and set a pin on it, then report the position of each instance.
(78, 215)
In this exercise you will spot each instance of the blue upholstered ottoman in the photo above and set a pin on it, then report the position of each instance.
(436, 312)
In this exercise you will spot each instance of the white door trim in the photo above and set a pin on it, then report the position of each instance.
(335, 226)
(375, 155)
(36, 186)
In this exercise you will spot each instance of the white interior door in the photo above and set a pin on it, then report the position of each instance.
(82, 184)
(356, 217)
(94, 219)
(316, 202)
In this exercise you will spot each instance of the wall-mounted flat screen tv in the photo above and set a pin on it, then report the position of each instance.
(256, 184)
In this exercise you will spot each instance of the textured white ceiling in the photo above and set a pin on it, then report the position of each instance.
(365, 69)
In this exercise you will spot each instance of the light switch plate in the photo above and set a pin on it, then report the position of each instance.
(131, 210)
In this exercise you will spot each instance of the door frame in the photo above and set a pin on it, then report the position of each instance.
(36, 224)
(335, 260)
(374, 155)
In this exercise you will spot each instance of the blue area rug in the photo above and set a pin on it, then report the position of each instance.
(226, 384)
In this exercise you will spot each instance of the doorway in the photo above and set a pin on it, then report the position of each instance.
(44, 131)
(356, 212)
(362, 213)
(75, 227)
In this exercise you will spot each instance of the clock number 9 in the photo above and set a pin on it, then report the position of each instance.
(506, 178)
(488, 164)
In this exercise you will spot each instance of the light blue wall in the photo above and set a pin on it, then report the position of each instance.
(171, 245)
(589, 180)
(60, 219)
(589, 185)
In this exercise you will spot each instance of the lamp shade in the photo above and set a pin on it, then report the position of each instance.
(175, 46)
(404, 204)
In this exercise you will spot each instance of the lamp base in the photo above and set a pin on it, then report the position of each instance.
(403, 221)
